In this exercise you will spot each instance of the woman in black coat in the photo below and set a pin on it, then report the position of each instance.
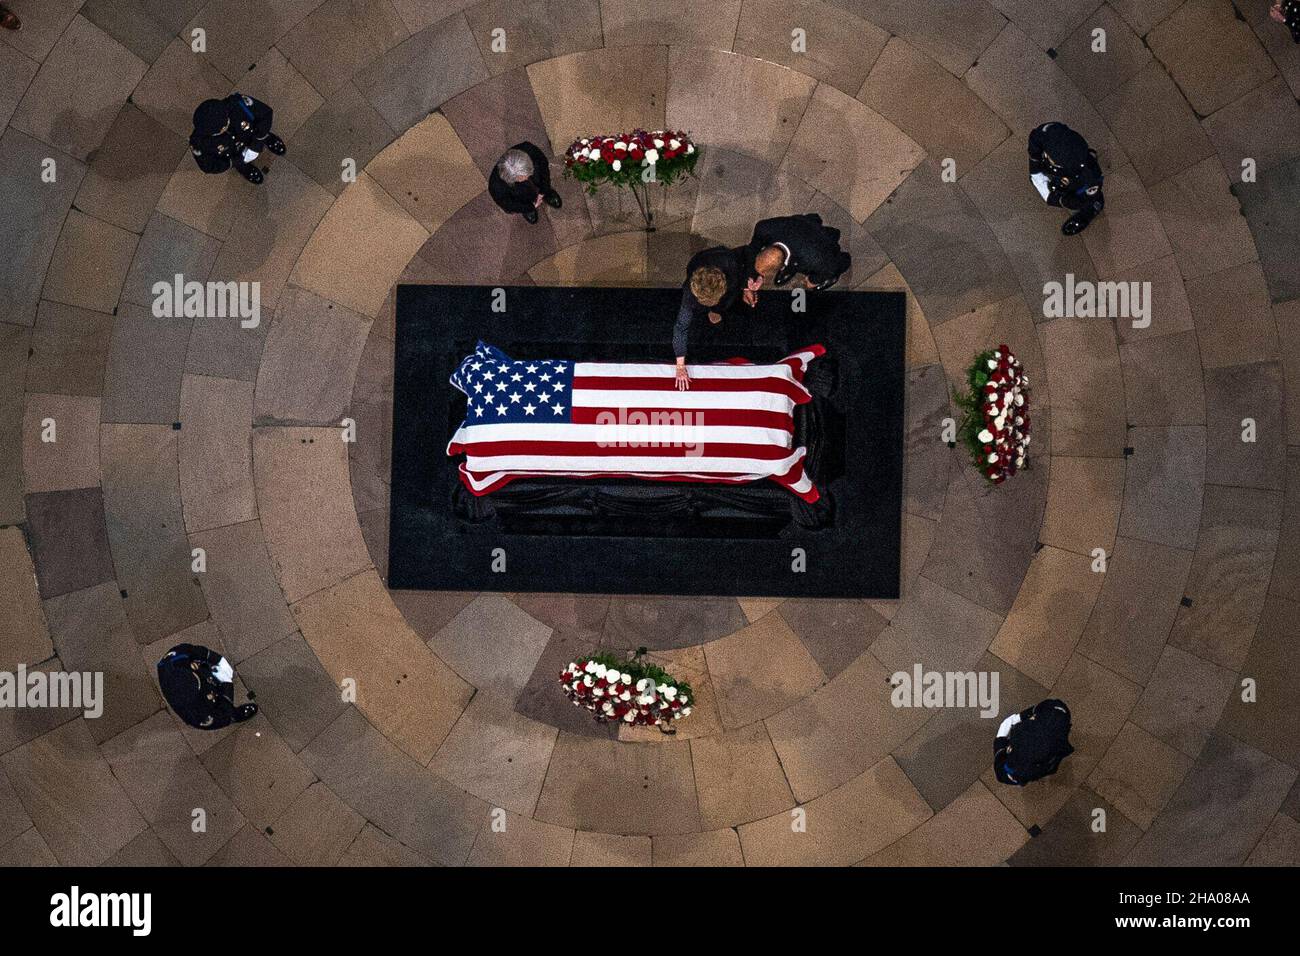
(521, 181)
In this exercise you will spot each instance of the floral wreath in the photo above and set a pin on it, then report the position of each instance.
(631, 159)
(632, 692)
(996, 426)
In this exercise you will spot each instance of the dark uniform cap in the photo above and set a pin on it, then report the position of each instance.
(210, 117)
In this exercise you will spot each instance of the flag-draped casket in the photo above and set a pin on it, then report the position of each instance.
(557, 418)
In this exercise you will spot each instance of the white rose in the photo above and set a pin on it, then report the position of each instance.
(591, 667)
(674, 143)
(601, 670)
(620, 145)
(985, 436)
(685, 712)
(616, 165)
(670, 692)
(629, 717)
(588, 681)
(689, 149)
(612, 676)
(643, 683)
(993, 457)
(652, 156)
(659, 143)
(626, 695)
(992, 364)
(662, 688)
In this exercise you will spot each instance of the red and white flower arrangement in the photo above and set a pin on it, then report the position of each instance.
(996, 426)
(631, 159)
(629, 692)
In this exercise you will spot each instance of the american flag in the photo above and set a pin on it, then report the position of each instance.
(549, 418)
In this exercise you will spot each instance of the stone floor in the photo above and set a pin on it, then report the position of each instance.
(175, 435)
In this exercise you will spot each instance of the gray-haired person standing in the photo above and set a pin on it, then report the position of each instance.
(521, 181)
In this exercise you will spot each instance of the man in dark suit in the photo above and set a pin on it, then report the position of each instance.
(1030, 745)
(199, 685)
(717, 281)
(785, 246)
(1066, 173)
(233, 132)
(521, 182)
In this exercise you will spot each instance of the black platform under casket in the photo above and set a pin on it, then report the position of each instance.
(630, 536)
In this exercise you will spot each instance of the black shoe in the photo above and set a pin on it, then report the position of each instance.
(275, 144)
(245, 712)
(553, 200)
(1074, 225)
(252, 174)
(531, 216)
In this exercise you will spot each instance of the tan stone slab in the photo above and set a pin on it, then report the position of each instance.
(71, 459)
(270, 230)
(27, 850)
(1163, 380)
(1142, 15)
(931, 106)
(918, 536)
(534, 30)
(1139, 600)
(374, 847)
(1082, 361)
(760, 670)
(91, 633)
(1171, 313)
(834, 137)
(274, 80)
(755, 608)
(142, 512)
(89, 264)
(71, 794)
(80, 87)
(341, 37)
(952, 32)
(866, 814)
(765, 100)
(838, 49)
(1183, 700)
(502, 666)
(1083, 502)
(17, 70)
(144, 850)
(1100, 73)
(973, 830)
(166, 781)
(1234, 321)
(1287, 316)
(1128, 233)
(608, 786)
(508, 839)
(1007, 320)
(240, 589)
(738, 777)
(178, 81)
(357, 632)
(1049, 615)
(257, 770)
(1203, 220)
(1017, 79)
(216, 454)
(14, 820)
(428, 171)
(817, 753)
(733, 196)
(711, 848)
(124, 182)
(44, 21)
(615, 260)
(609, 850)
(1139, 774)
(593, 92)
(496, 754)
(317, 828)
(1211, 53)
(249, 847)
(309, 361)
(937, 628)
(240, 31)
(1047, 21)
(23, 629)
(1164, 484)
(205, 203)
(680, 22)
(1269, 721)
(1154, 125)
(69, 351)
(305, 503)
(1279, 846)
(355, 274)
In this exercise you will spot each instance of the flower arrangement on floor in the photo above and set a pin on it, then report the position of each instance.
(632, 692)
(996, 426)
(632, 161)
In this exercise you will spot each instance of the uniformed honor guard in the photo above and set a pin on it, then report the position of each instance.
(1066, 174)
(1030, 745)
(199, 685)
(1287, 12)
(233, 132)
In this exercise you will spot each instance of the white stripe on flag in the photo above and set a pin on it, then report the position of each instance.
(619, 434)
(641, 464)
(636, 398)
